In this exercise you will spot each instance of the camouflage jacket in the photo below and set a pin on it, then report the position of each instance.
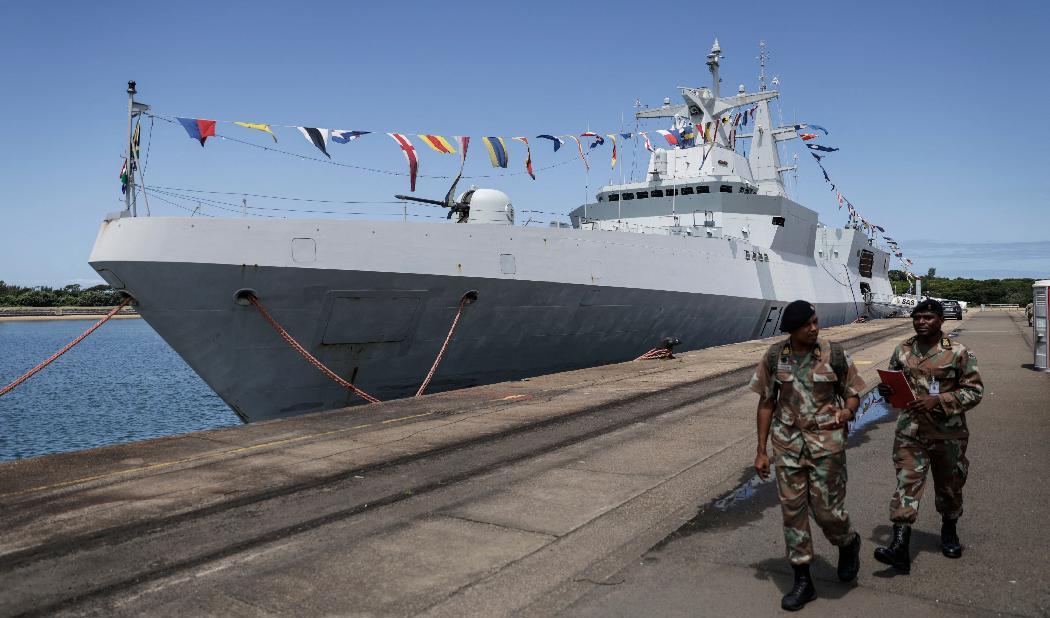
(953, 369)
(808, 390)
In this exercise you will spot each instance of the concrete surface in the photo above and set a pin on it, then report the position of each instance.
(584, 493)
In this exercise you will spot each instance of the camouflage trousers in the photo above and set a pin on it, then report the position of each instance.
(912, 457)
(817, 487)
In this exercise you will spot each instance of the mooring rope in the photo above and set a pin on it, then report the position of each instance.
(10, 387)
(254, 300)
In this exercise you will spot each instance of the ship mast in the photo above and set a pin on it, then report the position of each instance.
(129, 194)
(762, 65)
(712, 65)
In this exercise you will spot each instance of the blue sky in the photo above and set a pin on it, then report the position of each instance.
(936, 108)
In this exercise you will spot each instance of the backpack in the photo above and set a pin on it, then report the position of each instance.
(838, 365)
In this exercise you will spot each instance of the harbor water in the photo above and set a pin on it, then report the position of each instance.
(121, 384)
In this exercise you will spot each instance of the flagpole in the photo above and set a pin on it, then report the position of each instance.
(129, 203)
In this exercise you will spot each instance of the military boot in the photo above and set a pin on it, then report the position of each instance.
(802, 592)
(849, 559)
(897, 555)
(950, 545)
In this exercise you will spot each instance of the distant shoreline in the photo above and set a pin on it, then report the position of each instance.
(37, 314)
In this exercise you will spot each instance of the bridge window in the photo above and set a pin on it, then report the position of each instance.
(671, 192)
(687, 190)
(725, 189)
(656, 193)
(778, 221)
(628, 196)
(703, 189)
(614, 197)
(642, 195)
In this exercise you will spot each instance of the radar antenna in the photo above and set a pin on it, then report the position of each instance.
(762, 57)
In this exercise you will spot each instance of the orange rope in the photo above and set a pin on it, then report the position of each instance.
(444, 346)
(10, 387)
(309, 357)
(656, 353)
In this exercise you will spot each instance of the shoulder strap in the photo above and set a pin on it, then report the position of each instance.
(838, 365)
(772, 354)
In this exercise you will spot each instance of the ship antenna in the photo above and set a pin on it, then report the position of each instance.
(712, 65)
(129, 202)
(762, 57)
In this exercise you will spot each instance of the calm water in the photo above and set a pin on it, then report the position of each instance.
(121, 384)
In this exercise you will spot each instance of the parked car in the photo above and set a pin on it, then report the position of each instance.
(952, 309)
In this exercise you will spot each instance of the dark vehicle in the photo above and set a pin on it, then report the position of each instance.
(952, 309)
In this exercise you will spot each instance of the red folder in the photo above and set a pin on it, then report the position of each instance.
(902, 393)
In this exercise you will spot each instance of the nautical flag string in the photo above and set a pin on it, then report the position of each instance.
(672, 140)
(340, 136)
(258, 126)
(438, 143)
(197, 128)
(410, 157)
(820, 148)
(583, 157)
(648, 144)
(528, 155)
(557, 141)
(497, 151)
(317, 137)
(598, 139)
(464, 142)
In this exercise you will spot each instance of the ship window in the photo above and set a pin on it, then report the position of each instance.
(628, 196)
(747, 255)
(687, 190)
(671, 192)
(599, 198)
(778, 221)
(740, 189)
(725, 189)
(642, 195)
(657, 193)
(703, 189)
(614, 197)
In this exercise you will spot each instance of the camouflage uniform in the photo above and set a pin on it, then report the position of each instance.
(810, 463)
(934, 441)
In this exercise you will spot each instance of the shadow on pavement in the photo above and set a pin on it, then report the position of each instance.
(778, 571)
(752, 496)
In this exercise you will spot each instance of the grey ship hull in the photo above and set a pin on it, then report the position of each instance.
(374, 300)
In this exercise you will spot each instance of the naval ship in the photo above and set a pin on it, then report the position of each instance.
(708, 250)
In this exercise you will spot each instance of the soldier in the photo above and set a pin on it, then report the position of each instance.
(808, 391)
(931, 432)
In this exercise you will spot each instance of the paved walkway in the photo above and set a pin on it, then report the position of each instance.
(585, 493)
(731, 562)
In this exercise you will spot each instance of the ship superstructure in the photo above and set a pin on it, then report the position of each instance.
(708, 249)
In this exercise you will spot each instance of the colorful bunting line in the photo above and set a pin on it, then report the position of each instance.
(497, 151)
(410, 156)
(198, 128)
(317, 137)
(528, 155)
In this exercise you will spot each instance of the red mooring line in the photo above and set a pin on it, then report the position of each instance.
(10, 387)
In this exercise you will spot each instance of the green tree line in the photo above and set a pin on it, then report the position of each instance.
(975, 291)
(67, 296)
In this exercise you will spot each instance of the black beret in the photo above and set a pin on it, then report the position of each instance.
(796, 314)
(929, 306)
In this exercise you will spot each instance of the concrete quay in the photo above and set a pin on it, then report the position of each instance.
(597, 491)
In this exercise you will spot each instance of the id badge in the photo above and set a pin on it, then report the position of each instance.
(935, 387)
